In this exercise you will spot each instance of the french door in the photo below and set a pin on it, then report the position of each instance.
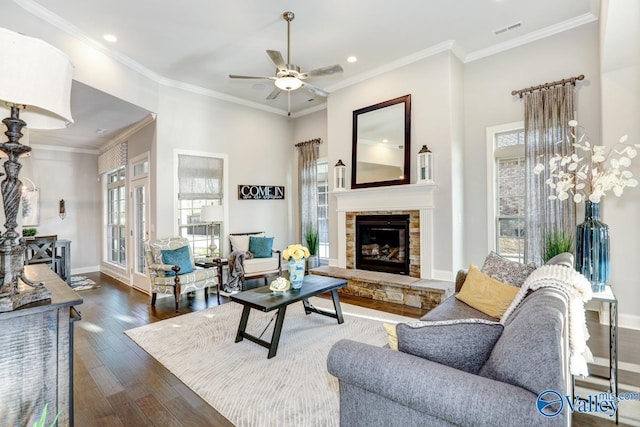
(139, 231)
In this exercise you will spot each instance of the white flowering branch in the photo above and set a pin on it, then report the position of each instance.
(590, 177)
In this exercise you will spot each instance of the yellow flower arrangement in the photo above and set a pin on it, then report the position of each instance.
(295, 252)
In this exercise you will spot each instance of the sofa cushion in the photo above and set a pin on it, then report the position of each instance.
(463, 344)
(180, 257)
(260, 247)
(529, 353)
(260, 265)
(505, 270)
(486, 294)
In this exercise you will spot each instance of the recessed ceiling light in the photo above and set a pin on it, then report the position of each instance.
(352, 59)
(110, 38)
(101, 131)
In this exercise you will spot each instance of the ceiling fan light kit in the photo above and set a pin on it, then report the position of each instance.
(288, 83)
(288, 76)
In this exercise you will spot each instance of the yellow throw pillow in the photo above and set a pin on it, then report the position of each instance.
(486, 294)
(392, 336)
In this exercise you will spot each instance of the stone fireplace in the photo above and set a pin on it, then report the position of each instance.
(414, 201)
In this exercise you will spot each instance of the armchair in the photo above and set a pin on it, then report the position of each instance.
(171, 270)
(256, 267)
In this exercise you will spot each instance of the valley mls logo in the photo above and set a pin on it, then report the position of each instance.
(260, 192)
(550, 402)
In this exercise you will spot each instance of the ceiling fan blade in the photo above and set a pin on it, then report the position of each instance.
(274, 94)
(276, 57)
(235, 76)
(324, 71)
(315, 90)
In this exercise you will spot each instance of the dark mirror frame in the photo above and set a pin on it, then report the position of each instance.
(406, 99)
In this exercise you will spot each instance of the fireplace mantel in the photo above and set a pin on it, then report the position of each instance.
(393, 198)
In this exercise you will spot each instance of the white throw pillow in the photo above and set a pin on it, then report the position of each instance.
(241, 242)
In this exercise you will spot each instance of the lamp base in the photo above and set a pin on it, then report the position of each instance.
(25, 295)
(16, 290)
(212, 249)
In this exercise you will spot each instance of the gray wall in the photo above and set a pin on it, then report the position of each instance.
(488, 102)
(73, 177)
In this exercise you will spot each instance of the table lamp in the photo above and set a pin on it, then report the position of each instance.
(35, 89)
(212, 214)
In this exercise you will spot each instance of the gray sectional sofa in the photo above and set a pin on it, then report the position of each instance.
(384, 387)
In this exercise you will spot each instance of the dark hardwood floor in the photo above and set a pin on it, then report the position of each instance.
(118, 384)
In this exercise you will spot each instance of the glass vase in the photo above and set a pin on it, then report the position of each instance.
(592, 248)
(296, 272)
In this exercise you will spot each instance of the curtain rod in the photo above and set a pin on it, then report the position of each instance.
(571, 80)
(311, 141)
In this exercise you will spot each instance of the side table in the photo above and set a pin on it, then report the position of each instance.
(608, 297)
(213, 263)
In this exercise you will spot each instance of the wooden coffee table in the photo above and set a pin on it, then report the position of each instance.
(264, 299)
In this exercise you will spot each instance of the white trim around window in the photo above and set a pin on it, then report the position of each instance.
(226, 194)
(491, 133)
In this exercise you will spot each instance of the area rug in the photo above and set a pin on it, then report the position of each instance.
(237, 379)
(82, 283)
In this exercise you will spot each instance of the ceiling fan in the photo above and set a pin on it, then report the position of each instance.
(288, 76)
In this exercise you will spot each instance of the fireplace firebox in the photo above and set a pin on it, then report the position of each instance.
(382, 243)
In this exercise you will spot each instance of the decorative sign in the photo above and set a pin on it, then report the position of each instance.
(260, 192)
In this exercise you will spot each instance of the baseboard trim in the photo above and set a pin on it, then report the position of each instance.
(116, 274)
(84, 270)
(628, 321)
(444, 275)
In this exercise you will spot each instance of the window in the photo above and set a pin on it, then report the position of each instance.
(323, 210)
(509, 192)
(116, 214)
(199, 183)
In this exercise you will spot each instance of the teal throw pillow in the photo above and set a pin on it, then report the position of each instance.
(179, 257)
(260, 247)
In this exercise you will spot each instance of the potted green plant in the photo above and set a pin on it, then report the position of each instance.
(29, 232)
(556, 242)
(311, 237)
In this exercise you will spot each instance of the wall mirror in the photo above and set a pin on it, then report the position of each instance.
(382, 144)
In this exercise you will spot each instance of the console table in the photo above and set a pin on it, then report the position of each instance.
(36, 355)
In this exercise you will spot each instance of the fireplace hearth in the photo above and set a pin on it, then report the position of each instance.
(382, 243)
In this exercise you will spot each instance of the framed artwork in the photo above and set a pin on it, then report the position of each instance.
(30, 207)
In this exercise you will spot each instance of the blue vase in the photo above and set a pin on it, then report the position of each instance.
(296, 272)
(592, 248)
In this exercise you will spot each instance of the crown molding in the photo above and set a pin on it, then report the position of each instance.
(390, 66)
(55, 20)
(65, 149)
(310, 110)
(121, 137)
(531, 37)
(450, 45)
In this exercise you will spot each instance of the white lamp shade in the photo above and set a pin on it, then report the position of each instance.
(38, 75)
(212, 213)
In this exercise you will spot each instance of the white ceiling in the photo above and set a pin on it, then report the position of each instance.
(200, 42)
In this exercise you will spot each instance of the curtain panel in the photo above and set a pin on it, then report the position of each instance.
(547, 113)
(308, 185)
